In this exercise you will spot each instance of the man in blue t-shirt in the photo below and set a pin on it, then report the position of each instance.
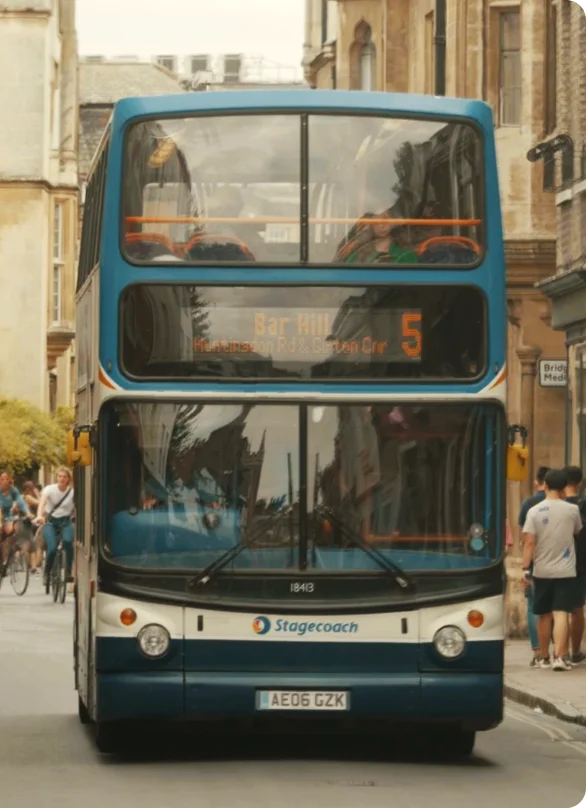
(537, 497)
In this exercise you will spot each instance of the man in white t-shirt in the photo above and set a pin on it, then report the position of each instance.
(55, 514)
(548, 544)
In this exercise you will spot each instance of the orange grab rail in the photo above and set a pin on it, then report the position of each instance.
(296, 220)
(375, 539)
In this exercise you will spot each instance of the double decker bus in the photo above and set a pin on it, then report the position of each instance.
(290, 424)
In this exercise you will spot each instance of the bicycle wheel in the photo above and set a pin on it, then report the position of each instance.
(59, 577)
(55, 575)
(19, 572)
(62, 578)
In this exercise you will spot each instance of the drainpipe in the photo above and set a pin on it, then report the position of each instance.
(439, 42)
(385, 26)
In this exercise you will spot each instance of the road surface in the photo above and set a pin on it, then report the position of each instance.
(47, 758)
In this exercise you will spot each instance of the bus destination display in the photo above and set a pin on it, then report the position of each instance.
(314, 335)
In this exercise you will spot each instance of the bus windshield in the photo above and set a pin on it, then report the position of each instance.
(185, 483)
(310, 189)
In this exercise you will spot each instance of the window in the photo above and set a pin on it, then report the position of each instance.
(89, 248)
(510, 68)
(232, 66)
(368, 67)
(367, 57)
(185, 483)
(198, 64)
(303, 333)
(363, 59)
(324, 21)
(57, 278)
(168, 62)
(367, 175)
(550, 67)
(229, 188)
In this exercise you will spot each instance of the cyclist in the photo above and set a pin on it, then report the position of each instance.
(12, 506)
(55, 514)
(28, 529)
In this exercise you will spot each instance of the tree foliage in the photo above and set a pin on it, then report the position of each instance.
(30, 437)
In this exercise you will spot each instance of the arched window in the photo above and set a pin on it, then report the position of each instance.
(363, 59)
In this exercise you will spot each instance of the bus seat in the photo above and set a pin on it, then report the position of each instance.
(448, 250)
(217, 247)
(149, 246)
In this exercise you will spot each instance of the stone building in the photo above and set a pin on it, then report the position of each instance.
(103, 82)
(501, 51)
(565, 152)
(38, 199)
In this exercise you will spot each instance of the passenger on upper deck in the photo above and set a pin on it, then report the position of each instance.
(374, 242)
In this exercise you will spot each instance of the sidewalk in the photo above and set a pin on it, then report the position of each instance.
(560, 694)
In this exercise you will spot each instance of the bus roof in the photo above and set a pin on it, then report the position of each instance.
(334, 101)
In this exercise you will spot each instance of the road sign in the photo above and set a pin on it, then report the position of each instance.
(553, 372)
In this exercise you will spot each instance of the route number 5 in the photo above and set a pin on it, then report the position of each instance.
(411, 334)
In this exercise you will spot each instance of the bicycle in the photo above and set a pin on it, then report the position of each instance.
(56, 581)
(17, 565)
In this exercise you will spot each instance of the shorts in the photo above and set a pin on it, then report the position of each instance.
(555, 595)
(580, 591)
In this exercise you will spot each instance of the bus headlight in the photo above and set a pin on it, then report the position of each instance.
(450, 642)
(154, 640)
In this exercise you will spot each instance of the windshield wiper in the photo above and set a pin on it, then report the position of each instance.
(209, 572)
(404, 580)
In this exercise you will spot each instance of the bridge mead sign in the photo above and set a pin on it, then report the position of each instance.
(553, 372)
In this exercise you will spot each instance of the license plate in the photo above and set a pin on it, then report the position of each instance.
(303, 700)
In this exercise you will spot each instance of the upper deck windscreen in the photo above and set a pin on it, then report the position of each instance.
(309, 189)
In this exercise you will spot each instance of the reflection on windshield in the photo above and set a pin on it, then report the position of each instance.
(409, 480)
(227, 189)
(186, 483)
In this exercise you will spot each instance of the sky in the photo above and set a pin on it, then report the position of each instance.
(270, 28)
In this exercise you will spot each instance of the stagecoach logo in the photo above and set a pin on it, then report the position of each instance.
(261, 625)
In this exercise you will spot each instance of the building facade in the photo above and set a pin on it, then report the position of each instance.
(38, 199)
(564, 152)
(230, 71)
(501, 51)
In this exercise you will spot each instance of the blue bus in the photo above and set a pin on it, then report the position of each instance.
(290, 433)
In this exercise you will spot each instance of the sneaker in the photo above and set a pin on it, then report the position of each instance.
(576, 659)
(545, 663)
(567, 659)
(535, 661)
(560, 664)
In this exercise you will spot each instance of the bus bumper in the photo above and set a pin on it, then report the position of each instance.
(474, 700)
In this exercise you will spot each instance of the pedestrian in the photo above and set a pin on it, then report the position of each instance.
(55, 514)
(548, 545)
(537, 496)
(574, 475)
